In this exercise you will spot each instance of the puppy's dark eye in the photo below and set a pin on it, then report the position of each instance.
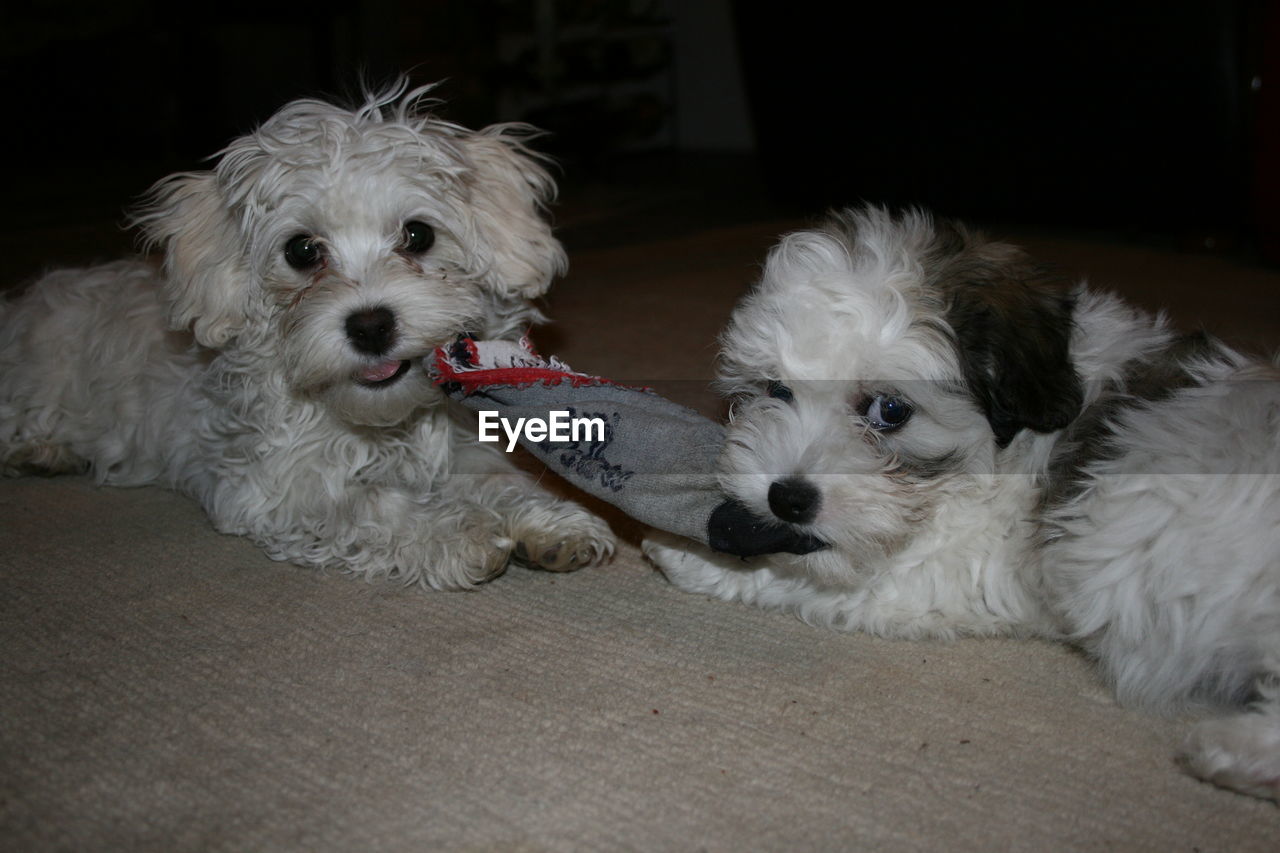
(884, 412)
(418, 237)
(302, 252)
(778, 391)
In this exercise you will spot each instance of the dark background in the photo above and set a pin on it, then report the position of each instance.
(1153, 120)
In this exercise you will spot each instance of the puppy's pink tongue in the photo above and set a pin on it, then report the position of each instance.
(380, 372)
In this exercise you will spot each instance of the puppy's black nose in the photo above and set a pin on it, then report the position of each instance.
(794, 499)
(372, 331)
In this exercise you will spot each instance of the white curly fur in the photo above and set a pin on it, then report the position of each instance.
(232, 375)
(1070, 468)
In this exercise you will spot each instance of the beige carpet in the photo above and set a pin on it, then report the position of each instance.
(166, 688)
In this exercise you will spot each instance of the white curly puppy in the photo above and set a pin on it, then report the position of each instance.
(266, 371)
(976, 448)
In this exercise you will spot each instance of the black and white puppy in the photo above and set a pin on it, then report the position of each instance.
(978, 448)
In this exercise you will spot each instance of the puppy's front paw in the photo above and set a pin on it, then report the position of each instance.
(1240, 752)
(562, 538)
(484, 561)
(459, 546)
(473, 555)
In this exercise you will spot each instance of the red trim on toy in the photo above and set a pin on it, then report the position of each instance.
(473, 350)
(475, 380)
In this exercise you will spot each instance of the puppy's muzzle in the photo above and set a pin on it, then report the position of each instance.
(734, 529)
(373, 331)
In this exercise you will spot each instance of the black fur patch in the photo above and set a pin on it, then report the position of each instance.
(1012, 321)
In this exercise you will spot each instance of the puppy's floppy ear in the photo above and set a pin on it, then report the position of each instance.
(206, 276)
(509, 189)
(1012, 321)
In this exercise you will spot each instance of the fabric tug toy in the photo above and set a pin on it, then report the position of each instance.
(654, 459)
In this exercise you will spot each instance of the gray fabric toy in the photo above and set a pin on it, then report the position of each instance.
(650, 457)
